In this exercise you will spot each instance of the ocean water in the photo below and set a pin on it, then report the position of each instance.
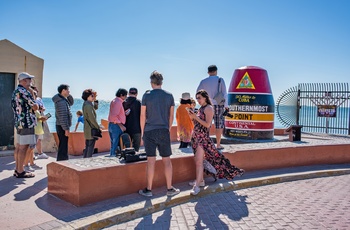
(101, 113)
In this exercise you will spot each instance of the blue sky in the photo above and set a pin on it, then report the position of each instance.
(106, 45)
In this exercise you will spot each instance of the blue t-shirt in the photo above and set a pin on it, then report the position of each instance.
(158, 103)
(81, 119)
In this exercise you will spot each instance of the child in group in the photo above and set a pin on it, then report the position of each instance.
(80, 119)
(39, 131)
(184, 122)
(29, 164)
(193, 105)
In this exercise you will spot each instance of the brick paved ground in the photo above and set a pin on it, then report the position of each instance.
(322, 203)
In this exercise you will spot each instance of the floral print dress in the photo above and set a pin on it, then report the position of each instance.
(222, 165)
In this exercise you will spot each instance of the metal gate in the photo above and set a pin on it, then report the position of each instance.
(318, 107)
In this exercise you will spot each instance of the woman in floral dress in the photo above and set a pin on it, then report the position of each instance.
(204, 149)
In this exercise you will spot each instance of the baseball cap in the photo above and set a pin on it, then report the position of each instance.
(24, 75)
(133, 90)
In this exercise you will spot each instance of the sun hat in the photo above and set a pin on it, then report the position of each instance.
(186, 96)
(24, 75)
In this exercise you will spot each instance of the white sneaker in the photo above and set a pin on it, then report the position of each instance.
(42, 156)
(173, 191)
(201, 184)
(28, 168)
(145, 192)
(35, 166)
(195, 190)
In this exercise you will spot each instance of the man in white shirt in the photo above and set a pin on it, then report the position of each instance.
(211, 84)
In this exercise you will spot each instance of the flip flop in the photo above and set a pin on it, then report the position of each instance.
(220, 148)
(25, 174)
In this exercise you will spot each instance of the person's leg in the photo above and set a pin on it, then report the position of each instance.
(114, 132)
(151, 161)
(136, 140)
(164, 148)
(22, 150)
(218, 133)
(185, 144)
(26, 157)
(31, 156)
(89, 148)
(16, 155)
(199, 157)
(219, 121)
(150, 148)
(39, 147)
(62, 153)
(168, 171)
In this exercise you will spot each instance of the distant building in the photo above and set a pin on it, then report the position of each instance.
(14, 60)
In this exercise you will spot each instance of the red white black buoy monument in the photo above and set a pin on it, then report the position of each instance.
(251, 103)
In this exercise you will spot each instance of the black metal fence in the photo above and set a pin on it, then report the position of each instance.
(318, 107)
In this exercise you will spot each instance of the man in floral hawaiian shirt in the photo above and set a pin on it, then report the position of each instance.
(23, 105)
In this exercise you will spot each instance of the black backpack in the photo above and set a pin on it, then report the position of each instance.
(127, 152)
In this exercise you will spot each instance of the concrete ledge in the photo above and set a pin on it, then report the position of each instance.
(90, 180)
(147, 207)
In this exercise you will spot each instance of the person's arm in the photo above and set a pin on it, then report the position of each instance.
(143, 119)
(76, 126)
(209, 113)
(171, 118)
(30, 100)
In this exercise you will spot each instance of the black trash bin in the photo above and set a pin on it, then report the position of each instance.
(294, 132)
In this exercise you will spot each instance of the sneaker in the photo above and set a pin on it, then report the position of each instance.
(42, 156)
(173, 191)
(192, 183)
(195, 190)
(28, 168)
(35, 166)
(145, 192)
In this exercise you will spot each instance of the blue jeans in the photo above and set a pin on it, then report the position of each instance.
(114, 134)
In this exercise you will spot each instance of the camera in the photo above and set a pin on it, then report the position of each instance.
(227, 114)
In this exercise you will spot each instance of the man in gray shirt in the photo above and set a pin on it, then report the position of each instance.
(157, 115)
(210, 84)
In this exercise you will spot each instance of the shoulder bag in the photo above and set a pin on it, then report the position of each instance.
(95, 133)
(219, 96)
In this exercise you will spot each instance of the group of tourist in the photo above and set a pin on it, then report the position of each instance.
(149, 120)
(28, 113)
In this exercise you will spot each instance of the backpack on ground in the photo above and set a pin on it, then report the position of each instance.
(127, 152)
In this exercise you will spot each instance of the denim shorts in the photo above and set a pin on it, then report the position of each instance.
(157, 138)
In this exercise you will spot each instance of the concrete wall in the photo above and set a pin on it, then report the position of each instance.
(14, 59)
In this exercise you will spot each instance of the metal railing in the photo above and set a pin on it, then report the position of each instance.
(318, 107)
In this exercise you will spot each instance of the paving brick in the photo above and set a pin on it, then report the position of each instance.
(288, 209)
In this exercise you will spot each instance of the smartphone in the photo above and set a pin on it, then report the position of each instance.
(48, 115)
(189, 110)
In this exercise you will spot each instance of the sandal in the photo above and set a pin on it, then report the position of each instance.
(15, 173)
(25, 174)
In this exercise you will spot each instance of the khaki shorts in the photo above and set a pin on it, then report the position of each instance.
(26, 137)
